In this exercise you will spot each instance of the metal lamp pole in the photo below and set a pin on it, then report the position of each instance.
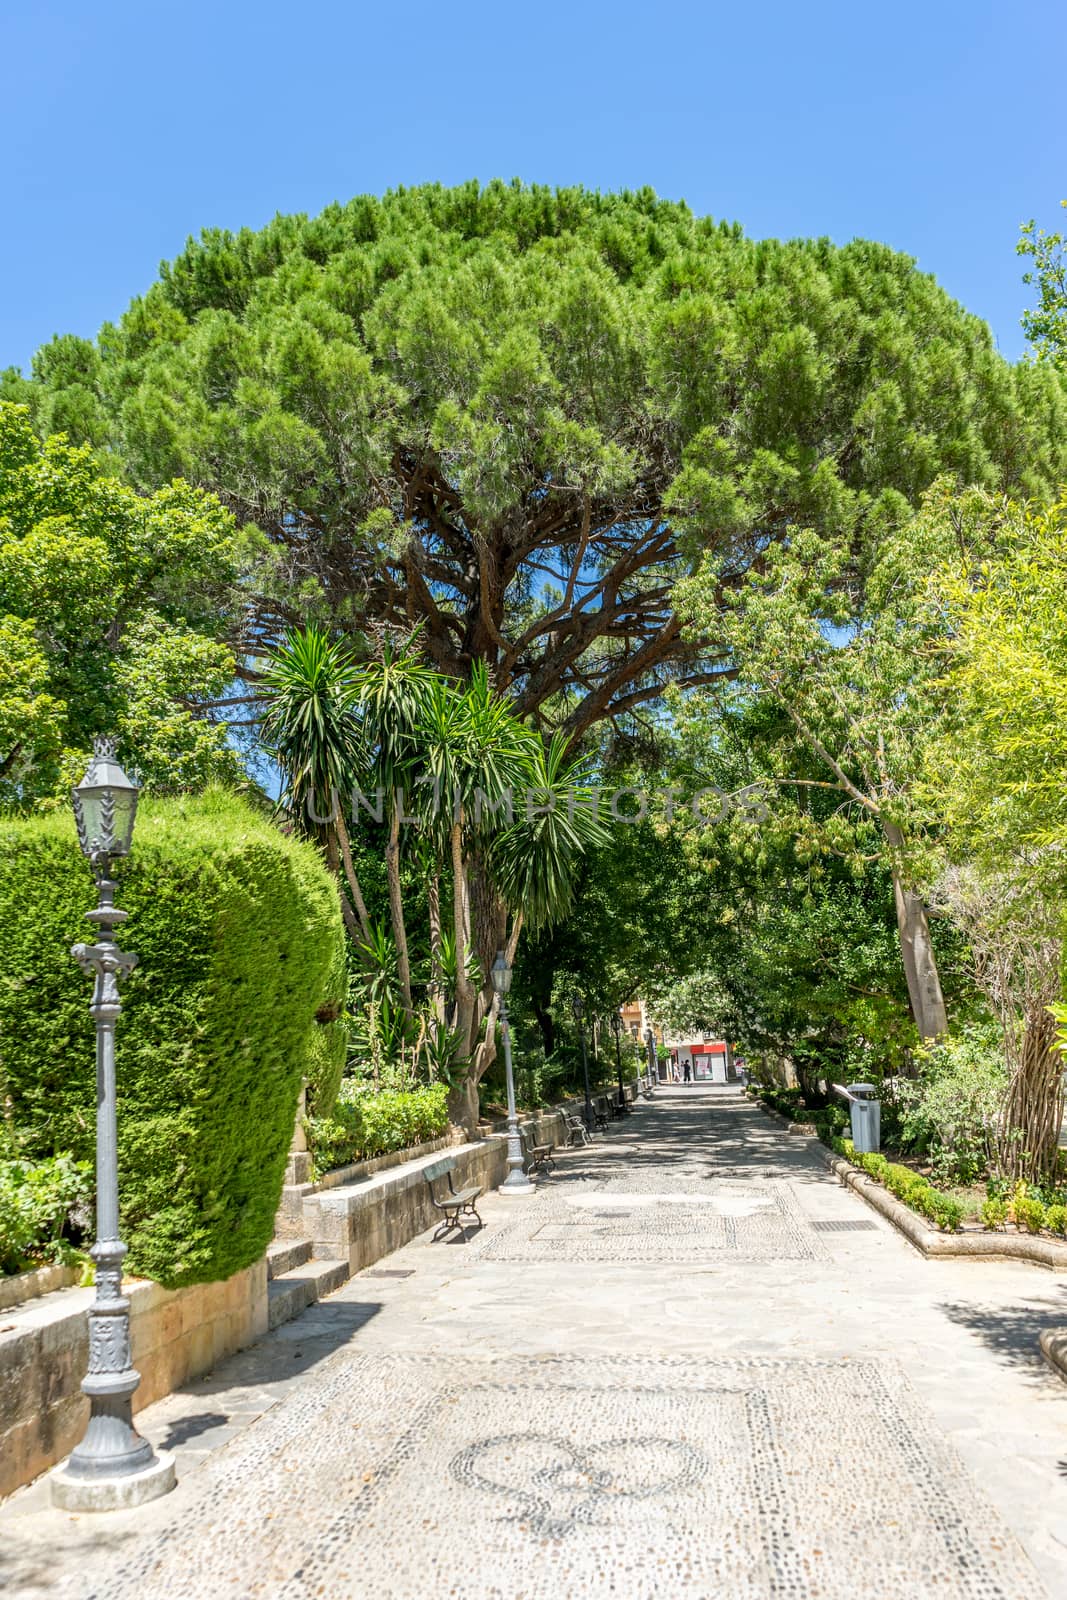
(578, 1007)
(516, 1181)
(616, 1028)
(112, 1467)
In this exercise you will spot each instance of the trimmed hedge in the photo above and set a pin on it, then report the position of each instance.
(328, 1048)
(828, 1123)
(237, 930)
(365, 1124)
(910, 1187)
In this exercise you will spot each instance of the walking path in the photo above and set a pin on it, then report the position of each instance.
(691, 1365)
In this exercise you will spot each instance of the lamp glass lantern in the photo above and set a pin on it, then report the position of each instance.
(105, 805)
(500, 972)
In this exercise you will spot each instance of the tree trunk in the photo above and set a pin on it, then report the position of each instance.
(433, 905)
(1028, 1140)
(463, 1108)
(916, 947)
(461, 933)
(396, 905)
(350, 874)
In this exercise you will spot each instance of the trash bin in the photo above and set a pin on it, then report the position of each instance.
(866, 1113)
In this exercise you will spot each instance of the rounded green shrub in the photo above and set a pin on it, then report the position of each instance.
(236, 929)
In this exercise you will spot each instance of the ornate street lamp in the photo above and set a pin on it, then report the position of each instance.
(578, 1007)
(112, 1467)
(650, 1046)
(516, 1181)
(617, 1025)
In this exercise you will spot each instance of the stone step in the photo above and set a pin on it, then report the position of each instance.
(285, 1254)
(292, 1292)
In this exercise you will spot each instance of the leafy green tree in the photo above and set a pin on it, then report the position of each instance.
(998, 776)
(110, 607)
(518, 416)
(1046, 325)
(1000, 771)
(851, 645)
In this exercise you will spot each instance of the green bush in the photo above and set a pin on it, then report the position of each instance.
(1027, 1211)
(364, 1124)
(949, 1114)
(1056, 1219)
(994, 1213)
(36, 1201)
(908, 1186)
(236, 931)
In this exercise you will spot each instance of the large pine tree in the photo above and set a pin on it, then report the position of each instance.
(518, 416)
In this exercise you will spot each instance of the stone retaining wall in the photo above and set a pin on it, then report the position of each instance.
(358, 1223)
(177, 1334)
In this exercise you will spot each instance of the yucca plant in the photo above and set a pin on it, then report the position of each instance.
(311, 688)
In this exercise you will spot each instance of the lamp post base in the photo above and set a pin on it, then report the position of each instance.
(517, 1182)
(114, 1494)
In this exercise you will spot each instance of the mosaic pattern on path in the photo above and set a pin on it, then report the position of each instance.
(650, 1217)
(401, 1476)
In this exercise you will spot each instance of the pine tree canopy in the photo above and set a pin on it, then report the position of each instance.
(518, 416)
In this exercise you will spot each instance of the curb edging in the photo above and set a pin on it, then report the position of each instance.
(930, 1242)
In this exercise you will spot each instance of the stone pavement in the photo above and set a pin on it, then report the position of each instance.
(692, 1364)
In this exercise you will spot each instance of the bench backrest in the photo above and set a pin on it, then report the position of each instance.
(438, 1169)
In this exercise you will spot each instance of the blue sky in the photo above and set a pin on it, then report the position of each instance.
(937, 127)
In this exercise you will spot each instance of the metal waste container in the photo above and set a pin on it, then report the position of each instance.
(866, 1112)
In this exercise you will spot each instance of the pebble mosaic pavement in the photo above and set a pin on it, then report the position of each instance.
(640, 1220)
(690, 1365)
(635, 1478)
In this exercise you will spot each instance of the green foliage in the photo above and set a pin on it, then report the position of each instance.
(427, 399)
(908, 1186)
(111, 605)
(1046, 325)
(236, 930)
(36, 1201)
(950, 1113)
(364, 1124)
(1026, 1210)
(327, 1048)
(828, 1121)
(1000, 771)
(1025, 1207)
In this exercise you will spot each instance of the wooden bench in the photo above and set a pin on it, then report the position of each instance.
(538, 1156)
(453, 1203)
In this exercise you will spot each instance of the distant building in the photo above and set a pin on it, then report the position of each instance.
(710, 1060)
